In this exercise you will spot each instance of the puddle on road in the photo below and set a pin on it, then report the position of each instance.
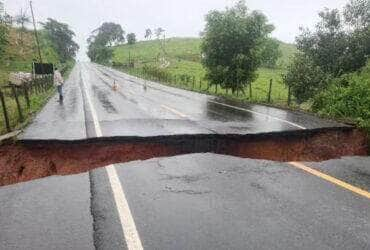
(28, 160)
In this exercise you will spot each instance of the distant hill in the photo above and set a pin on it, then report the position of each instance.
(187, 49)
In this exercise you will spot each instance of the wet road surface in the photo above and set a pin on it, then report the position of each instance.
(135, 110)
(199, 201)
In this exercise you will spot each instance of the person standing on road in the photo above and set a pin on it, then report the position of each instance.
(58, 82)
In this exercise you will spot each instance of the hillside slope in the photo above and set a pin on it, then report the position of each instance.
(21, 50)
(187, 49)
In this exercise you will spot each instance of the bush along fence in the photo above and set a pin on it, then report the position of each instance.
(264, 94)
(18, 102)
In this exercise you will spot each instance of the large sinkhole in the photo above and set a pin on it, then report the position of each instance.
(27, 160)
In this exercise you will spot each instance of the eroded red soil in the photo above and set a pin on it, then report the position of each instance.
(24, 161)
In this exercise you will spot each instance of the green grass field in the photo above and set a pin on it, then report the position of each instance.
(183, 55)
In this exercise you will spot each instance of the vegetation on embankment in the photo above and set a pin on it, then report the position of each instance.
(184, 57)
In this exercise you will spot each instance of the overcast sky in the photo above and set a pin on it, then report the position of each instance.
(178, 17)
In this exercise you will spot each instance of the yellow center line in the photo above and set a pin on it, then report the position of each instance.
(331, 179)
(174, 111)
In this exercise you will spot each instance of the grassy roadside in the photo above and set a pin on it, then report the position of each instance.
(183, 67)
(37, 102)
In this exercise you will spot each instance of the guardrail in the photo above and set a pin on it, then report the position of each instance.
(16, 101)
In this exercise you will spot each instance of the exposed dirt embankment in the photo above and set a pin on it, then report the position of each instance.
(27, 160)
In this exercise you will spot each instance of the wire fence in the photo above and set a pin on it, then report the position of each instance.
(18, 102)
(270, 93)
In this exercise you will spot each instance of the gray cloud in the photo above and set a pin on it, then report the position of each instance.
(177, 17)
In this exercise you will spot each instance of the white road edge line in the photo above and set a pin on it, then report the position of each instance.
(130, 233)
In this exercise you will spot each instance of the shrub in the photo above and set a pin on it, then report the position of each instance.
(347, 97)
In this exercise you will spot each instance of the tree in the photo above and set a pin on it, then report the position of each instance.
(304, 78)
(22, 19)
(99, 54)
(270, 53)
(357, 13)
(101, 41)
(131, 38)
(340, 44)
(332, 47)
(62, 39)
(109, 34)
(158, 32)
(148, 33)
(231, 45)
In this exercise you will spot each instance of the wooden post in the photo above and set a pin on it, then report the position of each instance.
(250, 91)
(193, 82)
(269, 93)
(289, 96)
(26, 96)
(20, 115)
(5, 112)
(216, 88)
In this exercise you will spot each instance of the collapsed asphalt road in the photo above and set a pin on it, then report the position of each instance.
(201, 201)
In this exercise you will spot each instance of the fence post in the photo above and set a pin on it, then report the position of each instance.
(269, 94)
(289, 96)
(26, 96)
(200, 83)
(5, 112)
(250, 91)
(216, 88)
(20, 115)
(193, 82)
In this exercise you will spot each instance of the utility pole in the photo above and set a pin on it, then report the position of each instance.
(36, 35)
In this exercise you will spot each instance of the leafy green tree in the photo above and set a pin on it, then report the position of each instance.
(109, 34)
(304, 78)
(270, 53)
(101, 41)
(62, 39)
(232, 45)
(357, 13)
(131, 38)
(332, 46)
(99, 54)
(339, 45)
